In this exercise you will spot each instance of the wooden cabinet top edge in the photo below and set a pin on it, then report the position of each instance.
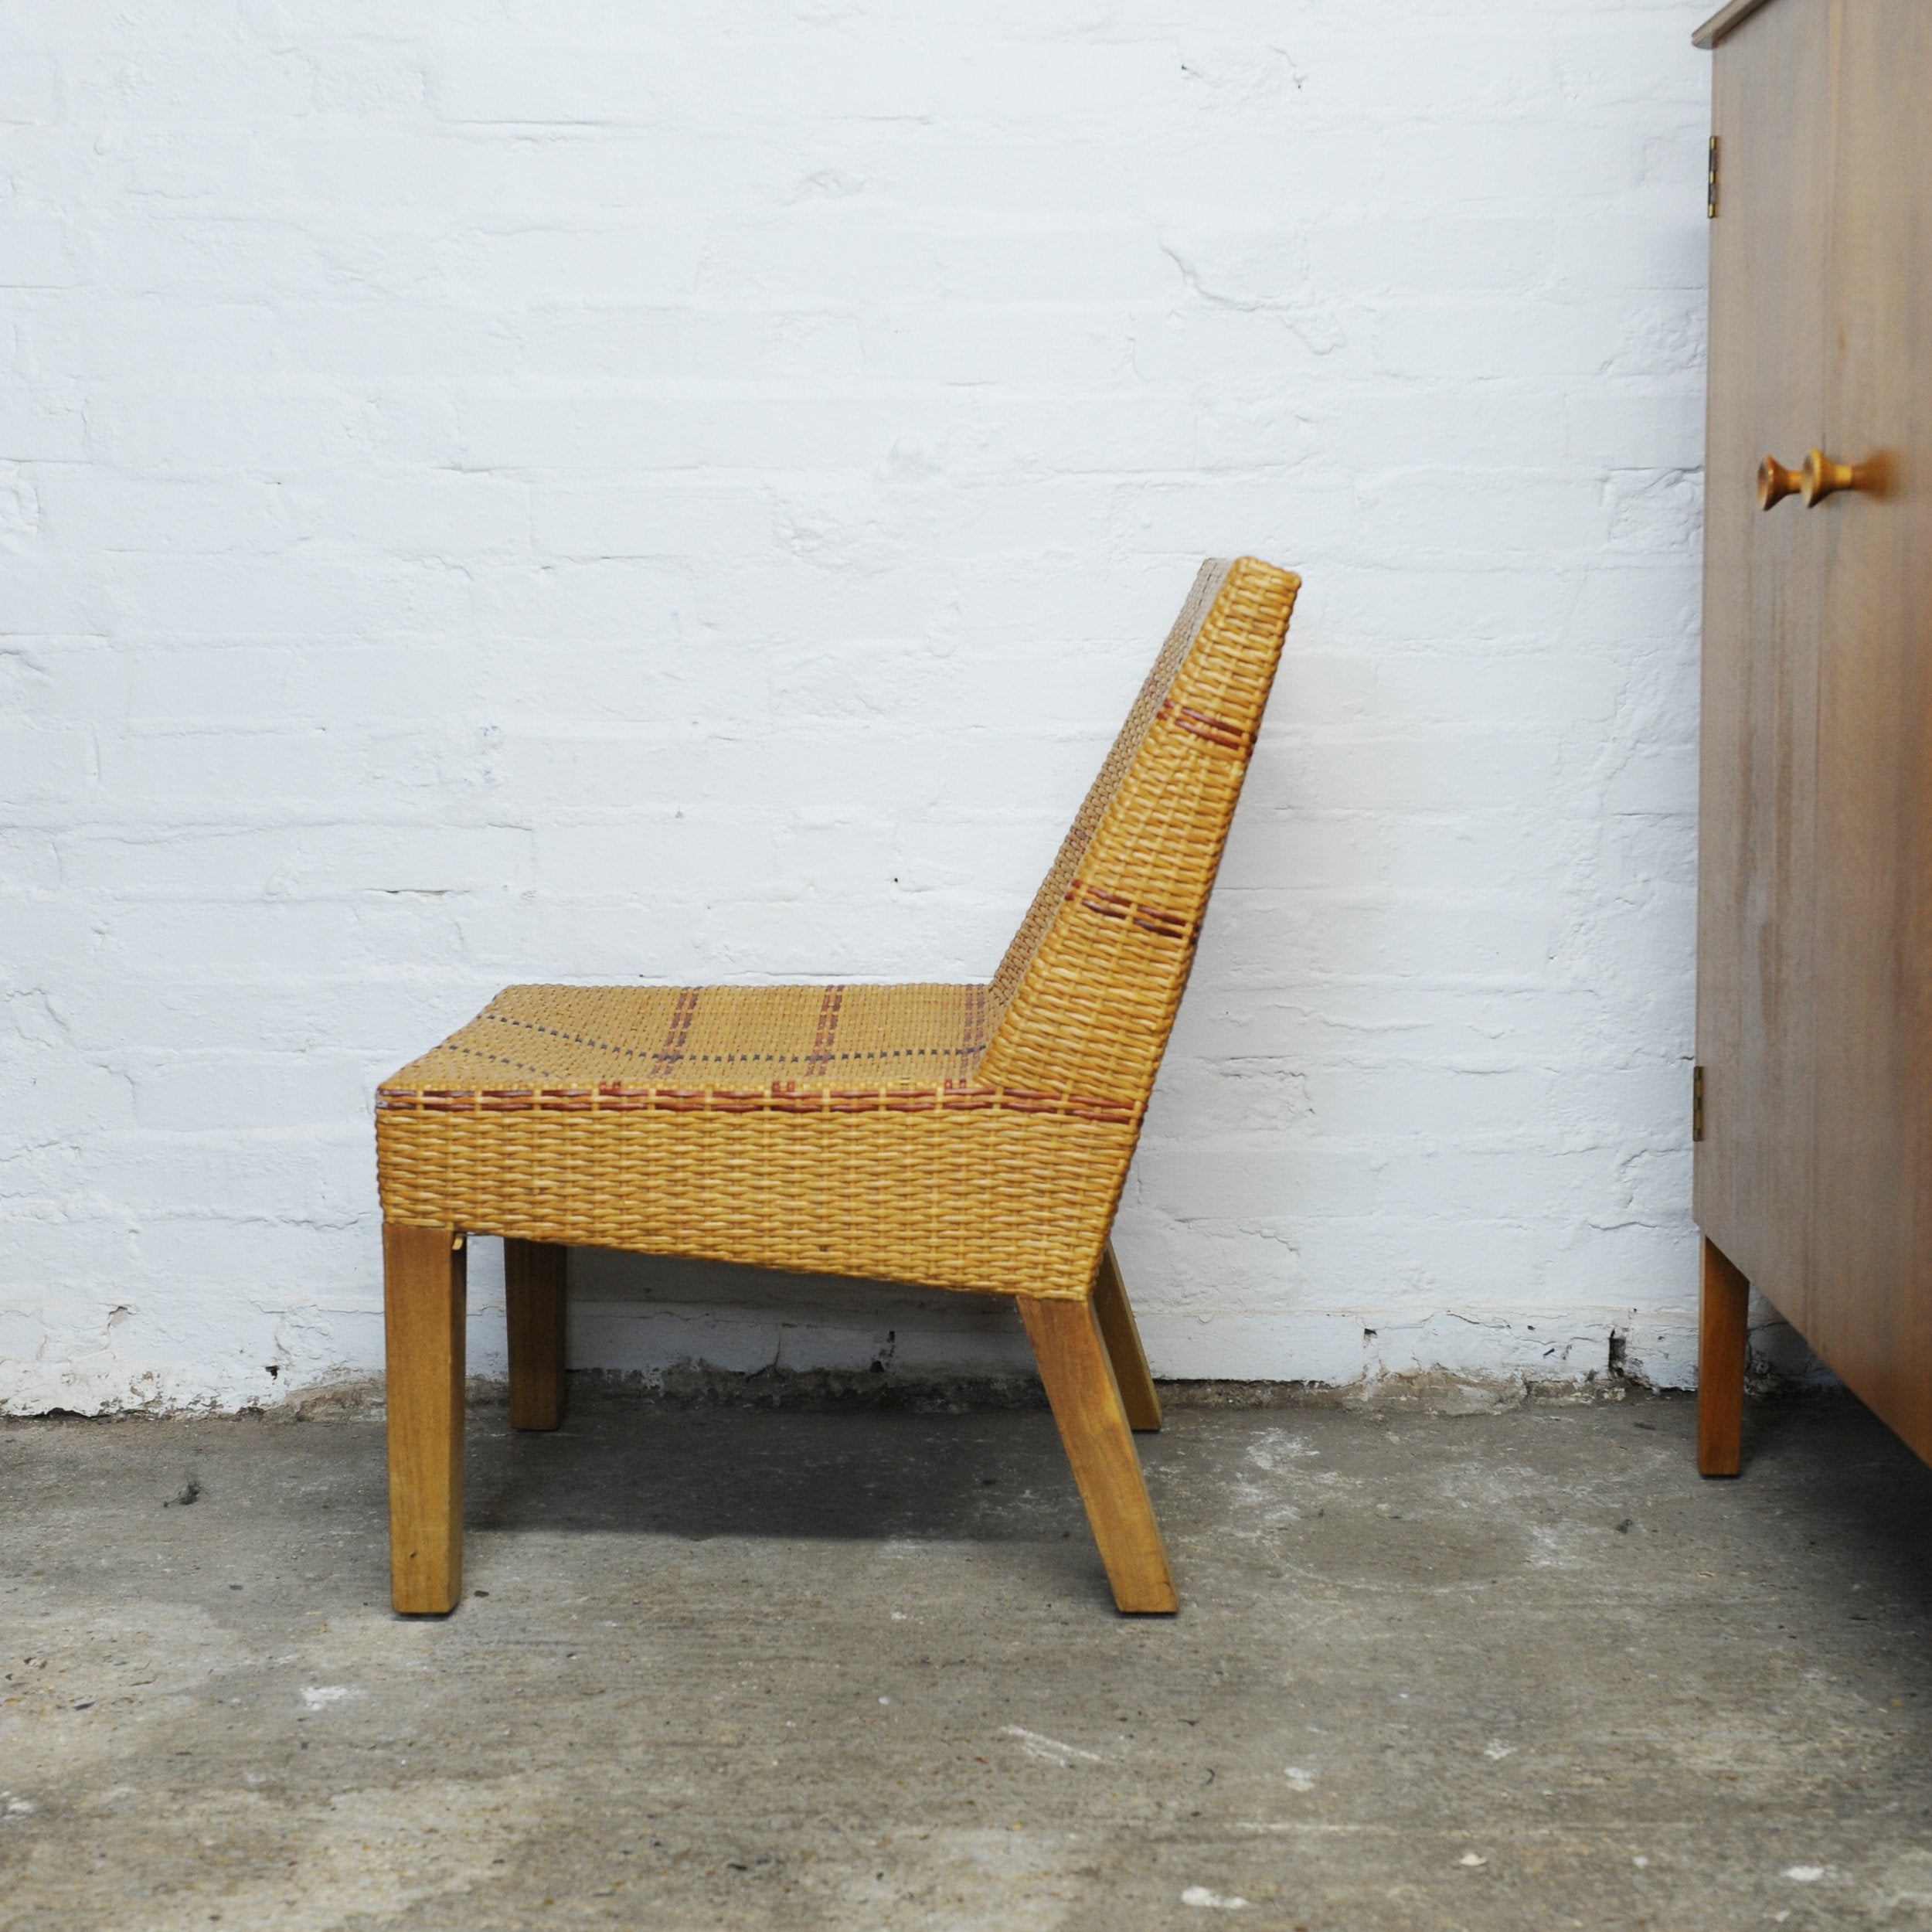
(1722, 22)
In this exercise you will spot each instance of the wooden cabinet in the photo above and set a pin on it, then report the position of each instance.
(1814, 1165)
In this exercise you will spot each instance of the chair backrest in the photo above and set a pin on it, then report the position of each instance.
(1084, 999)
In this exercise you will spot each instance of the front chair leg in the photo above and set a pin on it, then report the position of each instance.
(423, 1309)
(1093, 1422)
(1123, 1339)
(533, 1293)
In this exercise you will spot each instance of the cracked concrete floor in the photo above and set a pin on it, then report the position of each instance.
(747, 1668)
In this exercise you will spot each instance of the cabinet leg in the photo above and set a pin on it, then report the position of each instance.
(1720, 1364)
(423, 1307)
(533, 1292)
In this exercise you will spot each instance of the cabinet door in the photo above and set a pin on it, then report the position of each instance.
(1871, 1304)
(1756, 868)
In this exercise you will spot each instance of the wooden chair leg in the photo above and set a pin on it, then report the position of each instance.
(1720, 1364)
(424, 1308)
(534, 1294)
(1122, 1339)
(1086, 1402)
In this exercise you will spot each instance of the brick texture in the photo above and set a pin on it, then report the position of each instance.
(492, 490)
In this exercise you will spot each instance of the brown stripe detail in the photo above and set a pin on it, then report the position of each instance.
(613, 1096)
(683, 1015)
(975, 1005)
(495, 1059)
(1198, 724)
(821, 1056)
(1149, 918)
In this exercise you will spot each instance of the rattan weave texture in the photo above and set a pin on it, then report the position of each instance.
(963, 1137)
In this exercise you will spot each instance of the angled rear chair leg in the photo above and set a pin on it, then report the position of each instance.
(423, 1307)
(533, 1291)
(1723, 1310)
(1093, 1422)
(1124, 1349)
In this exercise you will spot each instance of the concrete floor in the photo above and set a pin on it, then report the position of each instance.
(741, 1668)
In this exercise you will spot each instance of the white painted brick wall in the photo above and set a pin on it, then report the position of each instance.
(492, 490)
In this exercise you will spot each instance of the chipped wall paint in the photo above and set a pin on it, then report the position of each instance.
(494, 491)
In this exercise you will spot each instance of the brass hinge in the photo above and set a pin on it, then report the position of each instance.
(1710, 183)
(1697, 1102)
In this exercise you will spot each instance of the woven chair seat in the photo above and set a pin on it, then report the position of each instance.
(548, 1047)
(819, 1129)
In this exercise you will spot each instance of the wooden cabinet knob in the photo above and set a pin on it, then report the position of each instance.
(1775, 482)
(1823, 478)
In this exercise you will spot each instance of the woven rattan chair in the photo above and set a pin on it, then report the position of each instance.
(973, 1138)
